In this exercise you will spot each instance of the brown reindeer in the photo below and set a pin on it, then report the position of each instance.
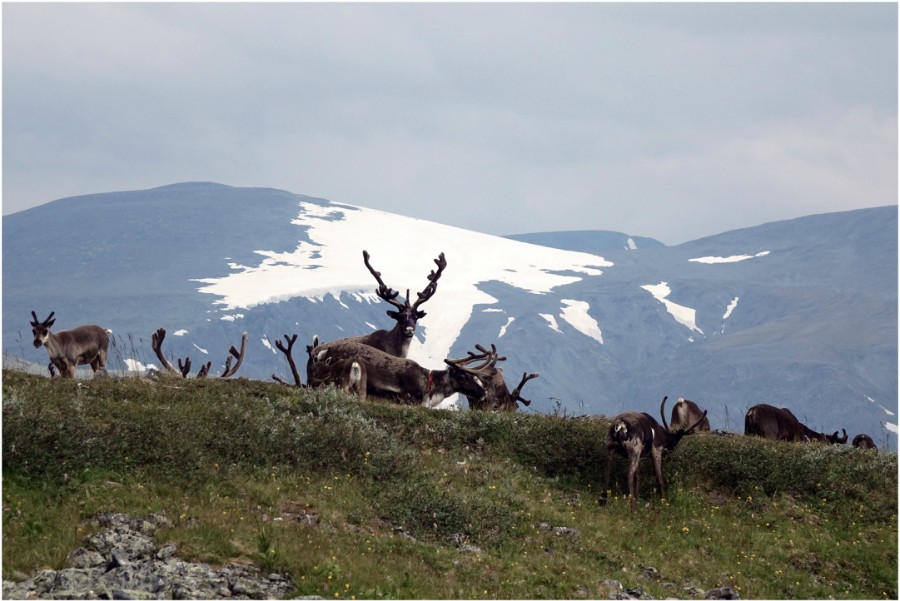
(863, 441)
(184, 367)
(350, 364)
(86, 344)
(497, 395)
(635, 435)
(776, 423)
(686, 412)
(396, 340)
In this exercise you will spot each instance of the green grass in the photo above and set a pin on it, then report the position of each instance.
(373, 500)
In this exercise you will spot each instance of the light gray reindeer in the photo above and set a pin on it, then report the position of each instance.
(87, 344)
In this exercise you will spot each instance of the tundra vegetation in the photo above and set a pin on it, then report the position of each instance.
(378, 500)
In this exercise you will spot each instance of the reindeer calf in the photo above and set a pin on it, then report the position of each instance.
(83, 345)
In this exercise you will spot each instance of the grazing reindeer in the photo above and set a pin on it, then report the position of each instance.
(351, 364)
(686, 412)
(497, 395)
(863, 441)
(69, 348)
(772, 423)
(781, 424)
(635, 435)
(184, 367)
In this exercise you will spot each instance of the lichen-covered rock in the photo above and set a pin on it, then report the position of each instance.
(121, 562)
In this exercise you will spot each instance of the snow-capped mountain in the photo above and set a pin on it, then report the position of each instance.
(800, 313)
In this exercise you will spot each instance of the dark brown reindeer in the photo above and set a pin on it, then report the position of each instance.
(635, 435)
(777, 423)
(497, 395)
(686, 412)
(864, 441)
(67, 349)
(351, 364)
(184, 367)
(396, 340)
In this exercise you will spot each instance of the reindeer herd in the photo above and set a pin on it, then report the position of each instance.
(377, 364)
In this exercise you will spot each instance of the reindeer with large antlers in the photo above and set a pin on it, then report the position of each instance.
(394, 341)
(497, 394)
(86, 344)
(351, 364)
(636, 435)
(184, 367)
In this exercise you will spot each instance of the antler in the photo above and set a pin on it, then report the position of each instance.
(490, 358)
(515, 394)
(233, 352)
(383, 292)
(433, 277)
(288, 351)
(662, 413)
(156, 344)
(46, 322)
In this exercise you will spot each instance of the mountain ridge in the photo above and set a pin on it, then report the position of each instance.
(800, 313)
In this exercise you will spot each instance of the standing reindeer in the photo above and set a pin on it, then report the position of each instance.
(635, 435)
(70, 348)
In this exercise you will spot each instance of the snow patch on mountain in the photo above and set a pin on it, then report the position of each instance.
(730, 308)
(575, 312)
(505, 326)
(731, 259)
(683, 315)
(402, 249)
(551, 321)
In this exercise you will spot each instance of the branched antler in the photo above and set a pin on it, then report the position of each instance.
(288, 351)
(383, 292)
(515, 394)
(156, 344)
(433, 277)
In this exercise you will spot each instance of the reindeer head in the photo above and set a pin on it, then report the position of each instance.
(407, 315)
(674, 437)
(41, 329)
(470, 381)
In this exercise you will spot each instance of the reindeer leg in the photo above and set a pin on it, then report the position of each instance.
(634, 459)
(605, 492)
(656, 453)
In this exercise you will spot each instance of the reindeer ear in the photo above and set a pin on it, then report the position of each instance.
(393, 314)
(420, 314)
(50, 323)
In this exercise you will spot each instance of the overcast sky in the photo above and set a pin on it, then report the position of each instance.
(664, 120)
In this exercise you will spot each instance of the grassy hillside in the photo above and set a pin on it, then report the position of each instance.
(378, 501)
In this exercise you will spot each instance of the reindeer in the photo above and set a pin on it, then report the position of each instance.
(69, 348)
(184, 367)
(352, 364)
(396, 341)
(497, 394)
(781, 424)
(685, 412)
(863, 441)
(635, 435)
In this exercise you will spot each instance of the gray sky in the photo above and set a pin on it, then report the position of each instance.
(664, 120)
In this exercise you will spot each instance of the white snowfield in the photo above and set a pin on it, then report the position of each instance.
(683, 315)
(731, 259)
(403, 249)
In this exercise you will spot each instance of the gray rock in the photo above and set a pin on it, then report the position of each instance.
(121, 562)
